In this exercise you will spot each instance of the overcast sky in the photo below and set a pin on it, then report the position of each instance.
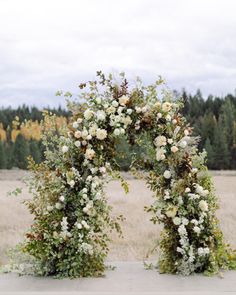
(48, 45)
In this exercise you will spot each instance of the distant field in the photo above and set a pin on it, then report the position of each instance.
(139, 233)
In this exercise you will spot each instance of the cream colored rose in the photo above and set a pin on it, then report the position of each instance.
(167, 174)
(127, 120)
(171, 212)
(84, 133)
(93, 129)
(78, 134)
(174, 149)
(101, 115)
(88, 114)
(89, 154)
(203, 205)
(111, 110)
(123, 100)
(166, 107)
(160, 154)
(101, 134)
(160, 140)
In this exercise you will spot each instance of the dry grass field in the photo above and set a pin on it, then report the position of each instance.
(139, 233)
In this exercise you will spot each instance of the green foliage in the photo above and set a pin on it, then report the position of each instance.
(21, 151)
(3, 160)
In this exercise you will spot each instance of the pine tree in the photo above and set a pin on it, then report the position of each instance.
(35, 151)
(210, 154)
(220, 148)
(21, 152)
(3, 161)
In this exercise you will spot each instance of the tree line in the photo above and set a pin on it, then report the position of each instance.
(213, 119)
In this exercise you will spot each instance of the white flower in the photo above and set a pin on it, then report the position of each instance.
(101, 115)
(98, 100)
(62, 198)
(138, 110)
(183, 144)
(127, 120)
(200, 190)
(203, 205)
(174, 121)
(102, 169)
(168, 118)
(89, 137)
(174, 149)
(122, 131)
(85, 225)
(75, 125)
(71, 183)
(115, 103)
(203, 251)
(170, 140)
(88, 114)
(129, 111)
(186, 132)
(160, 154)
(65, 149)
(194, 221)
(77, 134)
(187, 190)
(89, 154)
(123, 100)
(58, 206)
(177, 221)
(120, 109)
(182, 230)
(160, 140)
(117, 131)
(185, 221)
(197, 229)
(79, 120)
(171, 212)
(84, 134)
(194, 170)
(93, 129)
(101, 134)
(144, 109)
(79, 225)
(77, 143)
(167, 174)
(159, 115)
(166, 107)
(49, 208)
(111, 110)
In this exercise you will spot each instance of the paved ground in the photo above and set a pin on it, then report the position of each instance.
(127, 277)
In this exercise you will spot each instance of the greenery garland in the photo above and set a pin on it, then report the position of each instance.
(70, 233)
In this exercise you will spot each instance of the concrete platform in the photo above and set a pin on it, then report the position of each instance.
(127, 277)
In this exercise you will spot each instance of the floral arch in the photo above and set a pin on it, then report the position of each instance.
(70, 233)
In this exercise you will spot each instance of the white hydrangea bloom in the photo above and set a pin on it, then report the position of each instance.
(65, 149)
(166, 107)
(88, 114)
(101, 115)
(160, 141)
(123, 100)
(89, 154)
(101, 134)
(167, 174)
(203, 205)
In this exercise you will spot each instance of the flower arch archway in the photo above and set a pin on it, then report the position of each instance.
(70, 233)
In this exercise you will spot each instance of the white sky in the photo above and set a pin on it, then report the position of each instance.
(48, 45)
